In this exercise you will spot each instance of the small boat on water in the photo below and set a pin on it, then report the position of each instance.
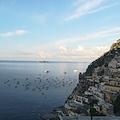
(65, 72)
(75, 70)
(46, 71)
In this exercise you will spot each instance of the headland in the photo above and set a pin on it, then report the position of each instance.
(98, 90)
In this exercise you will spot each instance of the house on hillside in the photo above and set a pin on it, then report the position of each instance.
(108, 109)
(113, 66)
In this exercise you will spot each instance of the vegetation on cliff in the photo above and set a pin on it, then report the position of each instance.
(117, 106)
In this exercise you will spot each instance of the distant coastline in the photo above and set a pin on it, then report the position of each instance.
(42, 61)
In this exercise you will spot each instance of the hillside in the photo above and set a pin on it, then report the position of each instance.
(98, 90)
(104, 59)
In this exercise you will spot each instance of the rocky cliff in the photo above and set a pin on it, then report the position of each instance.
(105, 58)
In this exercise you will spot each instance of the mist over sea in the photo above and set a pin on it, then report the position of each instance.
(27, 91)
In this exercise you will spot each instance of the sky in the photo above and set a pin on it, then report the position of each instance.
(58, 30)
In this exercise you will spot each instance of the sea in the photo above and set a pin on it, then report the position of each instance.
(27, 91)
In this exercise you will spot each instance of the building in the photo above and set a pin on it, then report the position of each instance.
(81, 99)
(113, 66)
(110, 96)
(108, 109)
(111, 88)
(115, 83)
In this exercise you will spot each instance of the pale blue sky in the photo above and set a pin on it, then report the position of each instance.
(61, 30)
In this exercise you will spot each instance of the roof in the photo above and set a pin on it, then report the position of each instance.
(112, 85)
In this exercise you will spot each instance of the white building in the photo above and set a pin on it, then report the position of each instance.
(81, 99)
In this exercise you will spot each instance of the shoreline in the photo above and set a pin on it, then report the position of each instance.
(52, 115)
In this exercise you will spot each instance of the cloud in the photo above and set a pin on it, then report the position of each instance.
(104, 33)
(34, 53)
(17, 32)
(87, 7)
(81, 52)
(20, 32)
(43, 55)
(78, 53)
(61, 49)
(64, 50)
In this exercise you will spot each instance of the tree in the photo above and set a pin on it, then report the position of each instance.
(117, 106)
(93, 110)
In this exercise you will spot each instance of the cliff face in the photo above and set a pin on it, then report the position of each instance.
(115, 45)
(104, 59)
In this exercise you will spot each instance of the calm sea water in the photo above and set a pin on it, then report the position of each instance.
(26, 91)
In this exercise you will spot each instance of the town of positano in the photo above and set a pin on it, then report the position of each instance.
(98, 90)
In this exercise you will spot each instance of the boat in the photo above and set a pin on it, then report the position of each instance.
(46, 71)
(65, 72)
(75, 70)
